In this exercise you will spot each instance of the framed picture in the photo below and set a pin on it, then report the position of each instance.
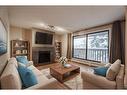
(3, 39)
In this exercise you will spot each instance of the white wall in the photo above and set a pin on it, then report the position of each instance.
(5, 19)
(64, 44)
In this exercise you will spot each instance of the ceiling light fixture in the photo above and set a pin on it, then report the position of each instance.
(51, 26)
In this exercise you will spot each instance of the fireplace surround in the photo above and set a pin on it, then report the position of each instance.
(43, 55)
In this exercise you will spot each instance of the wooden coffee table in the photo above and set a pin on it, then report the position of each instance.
(63, 74)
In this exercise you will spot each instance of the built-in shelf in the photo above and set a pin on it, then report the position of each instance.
(20, 48)
(57, 50)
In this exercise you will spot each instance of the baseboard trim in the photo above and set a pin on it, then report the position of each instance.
(89, 63)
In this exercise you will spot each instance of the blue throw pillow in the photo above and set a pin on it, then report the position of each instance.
(101, 71)
(27, 76)
(22, 59)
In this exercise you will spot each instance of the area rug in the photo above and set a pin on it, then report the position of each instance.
(74, 83)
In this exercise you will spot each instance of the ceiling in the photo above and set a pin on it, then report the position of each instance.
(66, 18)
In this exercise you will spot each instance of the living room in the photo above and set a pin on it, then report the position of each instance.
(66, 47)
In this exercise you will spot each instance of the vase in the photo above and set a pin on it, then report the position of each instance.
(63, 64)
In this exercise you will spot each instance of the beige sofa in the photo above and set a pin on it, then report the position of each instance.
(93, 81)
(10, 78)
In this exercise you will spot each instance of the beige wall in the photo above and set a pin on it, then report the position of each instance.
(125, 79)
(16, 33)
(64, 44)
(58, 38)
(4, 17)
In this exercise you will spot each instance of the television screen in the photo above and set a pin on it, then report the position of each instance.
(43, 38)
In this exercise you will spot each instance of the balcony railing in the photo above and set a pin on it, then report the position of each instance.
(92, 54)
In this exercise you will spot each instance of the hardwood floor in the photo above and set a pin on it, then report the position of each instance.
(83, 67)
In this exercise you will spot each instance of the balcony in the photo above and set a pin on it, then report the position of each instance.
(100, 55)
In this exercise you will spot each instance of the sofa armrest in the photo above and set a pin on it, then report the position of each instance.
(97, 80)
(120, 78)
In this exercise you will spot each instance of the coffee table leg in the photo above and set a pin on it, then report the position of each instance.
(61, 79)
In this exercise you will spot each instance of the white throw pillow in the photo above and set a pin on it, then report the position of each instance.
(113, 70)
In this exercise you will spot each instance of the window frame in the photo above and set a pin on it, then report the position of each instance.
(87, 44)
(73, 47)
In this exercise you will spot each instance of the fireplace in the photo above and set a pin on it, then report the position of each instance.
(44, 57)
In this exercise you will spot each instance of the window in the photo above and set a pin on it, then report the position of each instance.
(92, 46)
(97, 48)
(80, 47)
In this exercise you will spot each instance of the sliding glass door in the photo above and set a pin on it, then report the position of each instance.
(79, 46)
(92, 46)
(97, 48)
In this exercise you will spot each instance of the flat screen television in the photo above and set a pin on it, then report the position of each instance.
(43, 38)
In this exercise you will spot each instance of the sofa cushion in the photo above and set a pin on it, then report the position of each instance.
(113, 70)
(10, 78)
(22, 59)
(101, 71)
(27, 76)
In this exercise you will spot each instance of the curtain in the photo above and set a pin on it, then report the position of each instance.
(69, 51)
(117, 48)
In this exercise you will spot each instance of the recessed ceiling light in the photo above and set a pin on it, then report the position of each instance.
(43, 25)
(57, 28)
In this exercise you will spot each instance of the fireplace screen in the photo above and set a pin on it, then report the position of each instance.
(44, 57)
